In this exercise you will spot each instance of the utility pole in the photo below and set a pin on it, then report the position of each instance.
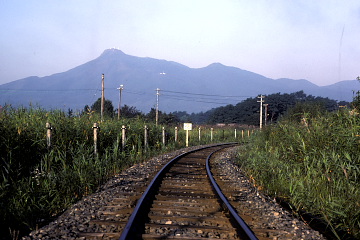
(102, 96)
(120, 91)
(266, 112)
(157, 106)
(261, 106)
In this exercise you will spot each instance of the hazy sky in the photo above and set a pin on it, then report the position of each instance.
(300, 39)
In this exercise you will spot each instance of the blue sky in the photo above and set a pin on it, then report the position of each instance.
(314, 40)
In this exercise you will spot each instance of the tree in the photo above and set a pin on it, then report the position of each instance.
(129, 112)
(70, 112)
(356, 99)
(183, 116)
(164, 118)
(247, 111)
(87, 109)
(108, 107)
(169, 119)
(305, 110)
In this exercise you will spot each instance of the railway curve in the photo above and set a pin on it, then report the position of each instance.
(181, 202)
(104, 214)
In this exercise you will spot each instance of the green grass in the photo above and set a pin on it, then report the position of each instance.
(38, 183)
(316, 167)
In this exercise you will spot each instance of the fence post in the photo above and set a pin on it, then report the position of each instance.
(187, 138)
(123, 136)
(145, 137)
(242, 133)
(176, 134)
(235, 133)
(163, 135)
(199, 134)
(248, 132)
(48, 134)
(96, 131)
(211, 134)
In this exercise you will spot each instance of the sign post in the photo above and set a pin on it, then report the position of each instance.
(187, 128)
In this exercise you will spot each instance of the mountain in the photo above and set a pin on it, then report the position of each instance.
(181, 88)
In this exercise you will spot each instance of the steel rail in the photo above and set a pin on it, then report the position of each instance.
(130, 231)
(244, 228)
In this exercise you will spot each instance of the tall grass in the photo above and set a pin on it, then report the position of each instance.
(315, 166)
(38, 183)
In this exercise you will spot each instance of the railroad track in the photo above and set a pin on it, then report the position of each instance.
(177, 207)
(182, 202)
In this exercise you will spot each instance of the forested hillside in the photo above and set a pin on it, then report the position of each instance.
(275, 106)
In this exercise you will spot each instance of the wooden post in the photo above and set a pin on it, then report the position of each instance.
(211, 134)
(119, 107)
(199, 134)
(261, 106)
(145, 137)
(123, 136)
(266, 110)
(102, 97)
(157, 106)
(187, 128)
(48, 134)
(176, 134)
(242, 133)
(235, 133)
(163, 136)
(248, 133)
(96, 131)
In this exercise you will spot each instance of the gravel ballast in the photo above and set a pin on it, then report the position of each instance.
(99, 212)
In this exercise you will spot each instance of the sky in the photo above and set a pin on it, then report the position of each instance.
(298, 39)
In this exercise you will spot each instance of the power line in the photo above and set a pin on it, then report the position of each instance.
(216, 101)
(138, 93)
(127, 91)
(49, 90)
(176, 95)
(192, 100)
(201, 94)
(204, 97)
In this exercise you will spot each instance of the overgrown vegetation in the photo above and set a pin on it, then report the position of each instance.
(311, 159)
(37, 183)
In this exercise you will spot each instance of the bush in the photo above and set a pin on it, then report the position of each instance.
(315, 166)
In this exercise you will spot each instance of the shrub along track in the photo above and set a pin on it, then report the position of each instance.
(103, 215)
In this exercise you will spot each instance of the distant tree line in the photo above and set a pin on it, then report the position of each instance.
(129, 112)
(279, 105)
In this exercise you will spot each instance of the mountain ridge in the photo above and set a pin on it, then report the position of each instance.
(80, 86)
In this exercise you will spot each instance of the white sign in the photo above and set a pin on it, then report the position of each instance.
(188, 126)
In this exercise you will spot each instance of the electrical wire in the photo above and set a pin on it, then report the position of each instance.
(47, 90)
(201, 94)
(198, 100)
(175, 95)
(203, 98)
